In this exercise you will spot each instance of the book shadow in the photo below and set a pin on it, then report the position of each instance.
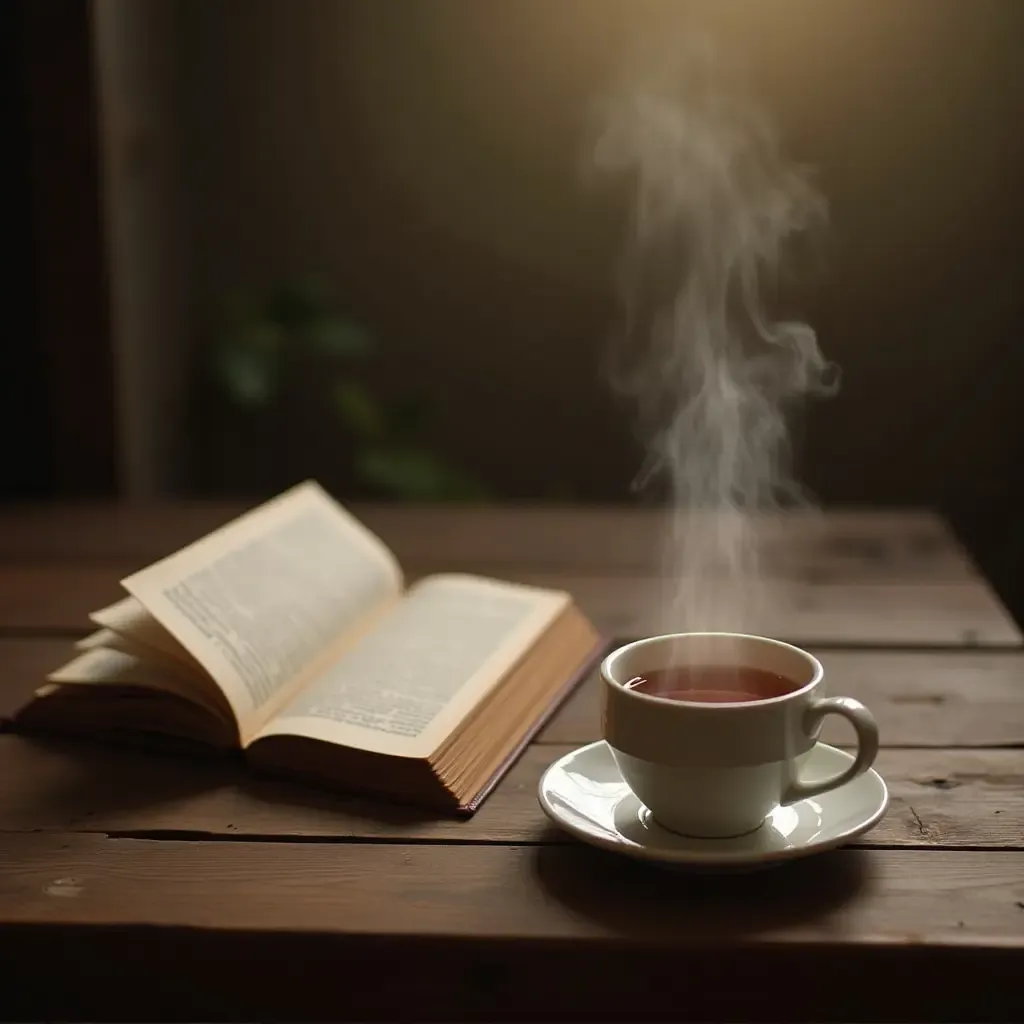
(649, 901)
(77, 784)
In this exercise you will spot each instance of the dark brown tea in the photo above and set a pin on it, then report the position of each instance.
(713, 684)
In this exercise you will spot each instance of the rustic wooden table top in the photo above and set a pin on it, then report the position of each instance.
(154, 887)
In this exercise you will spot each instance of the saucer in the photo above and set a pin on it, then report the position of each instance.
(584, 794)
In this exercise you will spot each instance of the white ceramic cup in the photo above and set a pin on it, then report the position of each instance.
(715, 770)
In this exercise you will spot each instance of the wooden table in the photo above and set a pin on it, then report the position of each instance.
(221, 897)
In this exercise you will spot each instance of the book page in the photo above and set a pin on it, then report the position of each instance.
(261, 600)
(131, 643)
(101, 638)
(404, 686)
(129, 618)
(100, 666)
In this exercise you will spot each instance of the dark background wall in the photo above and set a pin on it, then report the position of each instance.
(58, 433)
(26, 453)
(433, 164)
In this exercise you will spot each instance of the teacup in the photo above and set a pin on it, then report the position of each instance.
(718, 769)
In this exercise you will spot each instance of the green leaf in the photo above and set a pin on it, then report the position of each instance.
(406, 474)
(263, 337)
(298, 303)
(245, 362)
(357, 408)
(338, 338)
(409, 416)
(239, 309)
(245, 374)
(415, 475)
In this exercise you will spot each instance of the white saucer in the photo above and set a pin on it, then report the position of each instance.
(584, 793)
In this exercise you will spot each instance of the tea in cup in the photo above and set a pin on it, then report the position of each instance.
(710, 730)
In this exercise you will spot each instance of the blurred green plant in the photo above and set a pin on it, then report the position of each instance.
(260, 342)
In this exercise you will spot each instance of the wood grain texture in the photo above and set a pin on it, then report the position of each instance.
(940, 699)
(118, 863)
(809, 611)
(939, 798)
(847, 544)
(24, 665)
(84, 531)
(878, 896)
(265, 931)
(57, 598)
(624, 540)
(846, 576)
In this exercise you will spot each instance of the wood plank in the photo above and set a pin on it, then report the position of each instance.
(902, 612)
(939, 798)
(945, 925)
(942, 897)
(367, 890)
(841, 543)
(83, 531)
(24, 665)
(58, 598)
(929, 699)
(845, 576)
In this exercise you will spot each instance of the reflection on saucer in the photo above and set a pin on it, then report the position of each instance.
(635, 823)
(583, 793)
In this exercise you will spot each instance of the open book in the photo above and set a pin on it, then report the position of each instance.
(289, 634)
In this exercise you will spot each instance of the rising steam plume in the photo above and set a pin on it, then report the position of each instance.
(711, 373)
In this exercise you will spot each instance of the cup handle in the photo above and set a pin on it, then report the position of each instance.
(867, 744)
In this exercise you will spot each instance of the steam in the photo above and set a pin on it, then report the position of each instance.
(712, 375)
